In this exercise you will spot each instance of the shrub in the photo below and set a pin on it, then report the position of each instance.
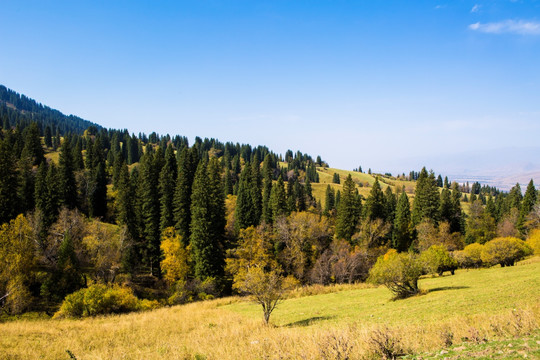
(99, 299)
(504, 251)
(534, 241)
(437, 260)
(398, 272)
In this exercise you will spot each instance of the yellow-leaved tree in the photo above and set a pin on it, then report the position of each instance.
(17, 262)
(256, 272)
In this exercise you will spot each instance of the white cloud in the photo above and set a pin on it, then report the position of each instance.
(475, 8)
(520, 27)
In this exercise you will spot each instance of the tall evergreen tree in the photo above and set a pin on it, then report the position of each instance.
(47, 193)
(267, 189)
(527, 204)
(456, 220)
(446, 207)
(349, 211)
(9, 201)
(330, 196)
(32, 144)
(256, 187)
(206, 231)
(402, 235)
(375, 204)
(278, 199)
(150, 210)
(68, 186)
(187, 164)
(26, 185)
(426, 199)
(167, 185)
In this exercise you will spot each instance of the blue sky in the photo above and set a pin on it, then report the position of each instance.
(382, 84)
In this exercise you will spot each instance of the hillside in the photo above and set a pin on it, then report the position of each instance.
(18, 109)
(457, 313)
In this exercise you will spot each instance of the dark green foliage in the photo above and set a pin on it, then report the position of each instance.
(167, 185)
(47, 193)
(456, 220)
(150, 209)
(207, 224)
(267, 190)
(426, 200)
(97, 197)
(246, 214)
(9, 201)
(187, 161)
(32, 145)
(336, 179)
(330, 197)
(402, 234)
(68, 187)
(375, 203)
(349, 211)
(48, 137)
(514, 197)
(278, 199)
(529, 200)
(26, 185)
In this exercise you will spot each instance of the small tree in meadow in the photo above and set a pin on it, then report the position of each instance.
(398, 272)
(505, 251)
(437, 260)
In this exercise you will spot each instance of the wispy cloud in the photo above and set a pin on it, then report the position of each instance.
(520, 27)
(475, 8)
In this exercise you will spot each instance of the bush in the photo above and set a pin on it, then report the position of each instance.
(437, 260)
(398, 272)
(534, 241)
(504, 251)
(100, 299)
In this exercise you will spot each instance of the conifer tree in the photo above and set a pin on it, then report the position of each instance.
(9, 202)
(47, 193)
(426, 200)
(267, 190)
(256, 187)
(514, 197)
(375, 204)
(278, 200)
(402, 235)
(390, 203)
(349, 211)
(68, 186)
(167, 185)
(299, 195)
(48, 137)
(329, 204)
(32, 144)
(187, 164)
(125, 202)
(78, 163)
(245, 211)
(529, 200)
(150, 210)
(336, 179)
(97, 202)
(446, 207)
(26, 185)
(206, 223)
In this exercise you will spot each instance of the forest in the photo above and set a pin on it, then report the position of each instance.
(153, 220)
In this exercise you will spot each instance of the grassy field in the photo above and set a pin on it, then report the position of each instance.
(473, 312)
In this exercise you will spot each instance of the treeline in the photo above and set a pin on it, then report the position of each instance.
(188, 219)
(19, 110)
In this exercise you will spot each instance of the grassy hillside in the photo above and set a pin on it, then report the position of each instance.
(473, 312)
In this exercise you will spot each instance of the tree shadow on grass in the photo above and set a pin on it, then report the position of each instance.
(447, 288)
(308, 321)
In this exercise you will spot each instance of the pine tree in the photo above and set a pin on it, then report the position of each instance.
(150, 210)
(125, 202)
(167, 185)
(278, 200)
(26, 185)
(32, 144)
(514, 197)
(336, 179)
(68, 186)
(48, 137)
(9, 201)
(300, 195)
(97, 199)
(330, 196)
(456, 220)
(349, 211)
(446, 207)
(267, 190)
(206, 231)
(529, 200)
(187, 164)
(245, 211)
(375, 204)
(256, 187)
(426, 200)
(47, 193)
(402, 235)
